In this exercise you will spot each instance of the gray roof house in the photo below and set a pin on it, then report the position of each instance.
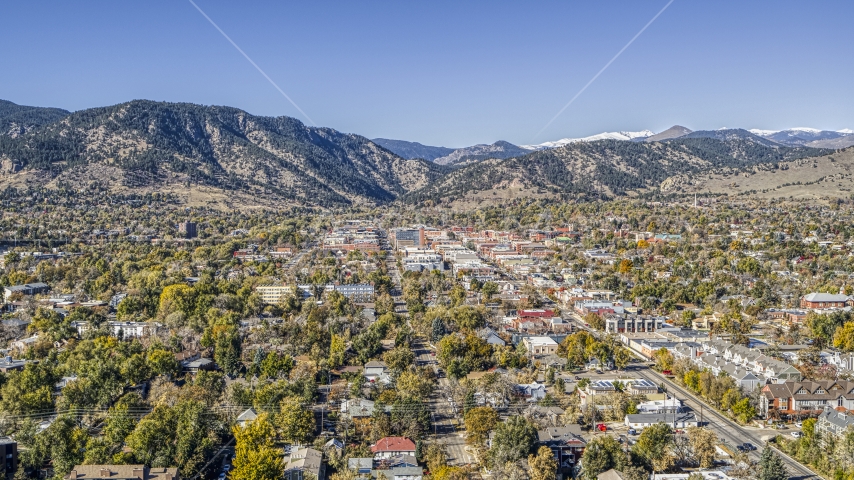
(246, 417)
(833, 423)
(675, 420)
(302, 461)
(357, 408)
(490, 336)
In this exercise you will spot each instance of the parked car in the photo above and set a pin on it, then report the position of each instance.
(741, 448)
(226, 468)
(632, 431)
(799, 424)
(780, 426)
(797, 434)
(602, 427)
(749, 447)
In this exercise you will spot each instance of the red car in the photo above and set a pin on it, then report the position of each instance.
(602, 427)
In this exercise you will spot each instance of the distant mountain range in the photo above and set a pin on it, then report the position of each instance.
(625, 136)
(803, 137)
(809, 137)
(413, 150)
(143, 147)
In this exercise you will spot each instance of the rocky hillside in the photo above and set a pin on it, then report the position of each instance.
(476, 153)
(17, 119)
(601, 169)
(144, 145)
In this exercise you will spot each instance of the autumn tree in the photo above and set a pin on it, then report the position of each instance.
(255, 456)
(543, 466)
(663, 359)
(479, 422)
(843, 339)
(295, 423)
(702, 443)
(653, 446)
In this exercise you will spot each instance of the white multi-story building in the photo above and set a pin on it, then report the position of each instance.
(121, 329)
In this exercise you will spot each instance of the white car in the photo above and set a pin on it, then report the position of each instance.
(799, 424)
(797, 434)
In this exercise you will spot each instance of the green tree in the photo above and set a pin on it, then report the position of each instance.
(162, 362)
(413, 384)
(622, 357)
(771, 466)
(458, 295)
(63, 443)
(488, 290)
(399, 359)
(601, 454)
(29, 390)
(512, 440)
(225, 340)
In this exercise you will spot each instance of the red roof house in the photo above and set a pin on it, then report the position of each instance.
(391, 446)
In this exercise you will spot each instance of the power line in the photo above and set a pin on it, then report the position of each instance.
(252, 62)
(604, 68)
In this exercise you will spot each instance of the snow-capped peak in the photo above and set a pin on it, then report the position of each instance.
(762, 133)
(625, 136)
(845, 131)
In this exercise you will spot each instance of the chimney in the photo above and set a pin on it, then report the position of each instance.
(73, 474)
(139, 473)
(105, 473)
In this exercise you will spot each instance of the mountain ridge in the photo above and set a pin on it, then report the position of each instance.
(153, 143)
(602, 169)
(413, 150)
(17, 119)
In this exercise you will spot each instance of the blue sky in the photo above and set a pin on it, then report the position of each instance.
(447, 73)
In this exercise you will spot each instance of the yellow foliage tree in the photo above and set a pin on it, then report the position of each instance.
(255, 457)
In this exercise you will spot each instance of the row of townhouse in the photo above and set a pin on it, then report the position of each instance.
(767, 369)
(749, 368)
(795, 398)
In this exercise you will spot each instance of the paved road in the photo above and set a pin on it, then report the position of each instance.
(730, 432)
